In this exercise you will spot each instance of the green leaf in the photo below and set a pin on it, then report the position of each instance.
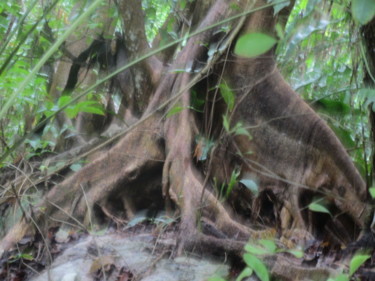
(63, 100)
(232, 181)
(367, 94)
(265, 247)
(279, 31)
(71, 112)
(254, 44)
(136, 220)
(270, 245)
(227, 95)
(356, 262)
(151, 12)
(226, 123)
(35, 143)
(372, 192)
(240, 130)
(93, 110)
(296, 252)
(174, 110)
(344, 134)
(279, 5)
(258, 266)
(27, 257)
(246, 272)
(251, 184)
(363, 10)
(75, 167)
(90, 106)
(332, 106)
(256, 250)
(197, 102)
(316, 207)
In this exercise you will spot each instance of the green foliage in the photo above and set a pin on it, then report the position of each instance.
(321, 59)
(255, 251)
(75, 167)
(232, 182)
(367, 96)
(263, 247)
(23, 256)
(72, 110)
(156, 12)
(363, 10)
(227, 95)
(258, 266)
(318, 206)
(372, 192)
(279, 5)
(174, 110)
(254, 44)
(46, 56)
(225, 189)
(26, 52)
(255, 264)
(358, 260)
(246, 272)
(238, 129)
(251, 184)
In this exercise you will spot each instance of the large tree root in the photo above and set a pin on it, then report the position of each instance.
(112, 174)
(140, 151)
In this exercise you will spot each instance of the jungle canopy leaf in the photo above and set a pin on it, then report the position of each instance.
(363, 10)
(254, 44)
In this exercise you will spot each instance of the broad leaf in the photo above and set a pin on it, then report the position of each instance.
(256, 250)
(264, 247)
(279, 5)
(332, 106)
(254, 44)
(64, 100)
(363, 10)
(239, 129)
(368, 97)
(75, 167)
(258, 266)
(356, 262)
(296, 252)
(90, 107)
(246, 272)
(250, 184)
(270, 245)
(174, 110)
(316, 207)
